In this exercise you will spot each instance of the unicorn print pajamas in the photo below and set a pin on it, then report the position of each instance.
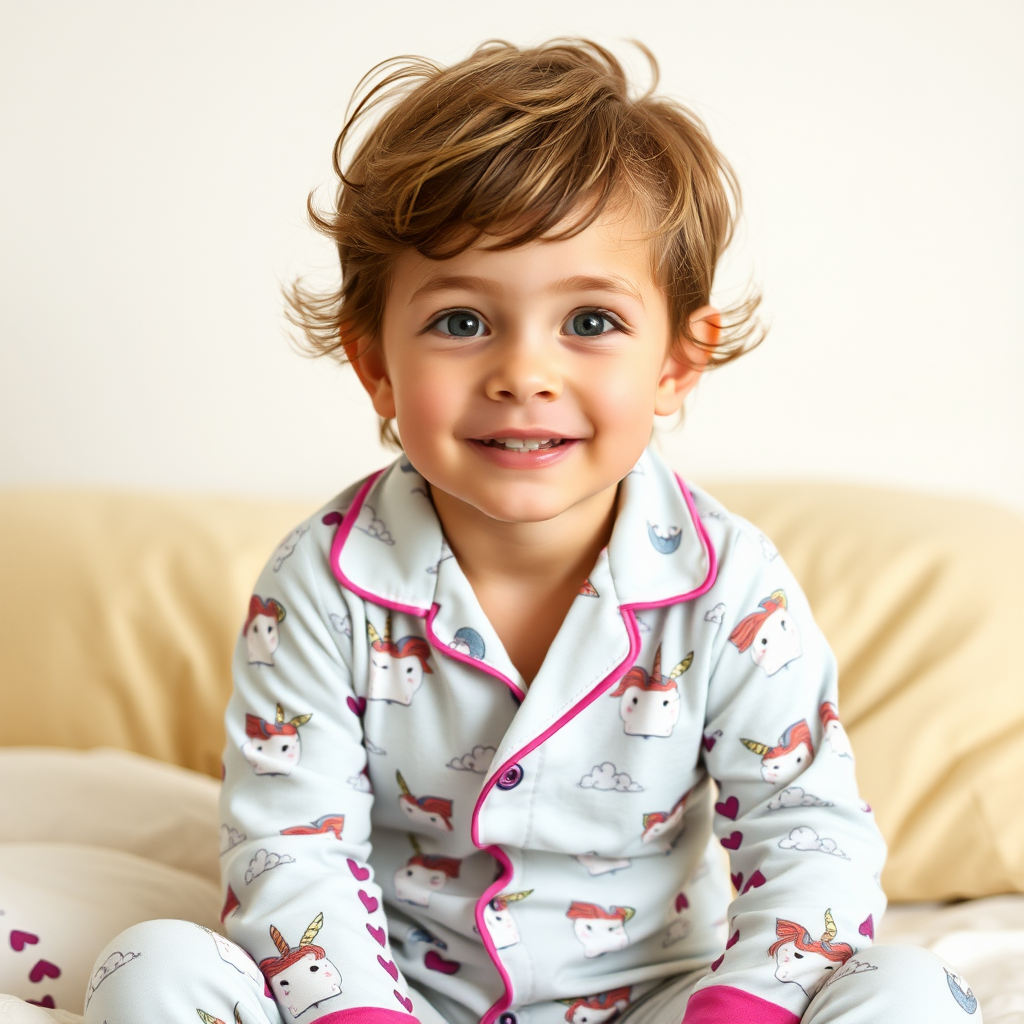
(411, 833)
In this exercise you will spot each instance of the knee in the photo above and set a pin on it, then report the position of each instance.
(894, 983)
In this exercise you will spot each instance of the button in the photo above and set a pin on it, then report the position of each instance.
(510, 778)
(507, 1018)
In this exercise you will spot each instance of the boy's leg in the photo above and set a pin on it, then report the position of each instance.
(168, 972)
(894, 985)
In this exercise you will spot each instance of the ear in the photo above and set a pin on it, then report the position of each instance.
(368, 362)
(685, 361)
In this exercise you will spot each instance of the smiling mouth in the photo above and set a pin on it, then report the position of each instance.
(520, 444)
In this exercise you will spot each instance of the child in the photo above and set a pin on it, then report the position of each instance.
(481, 696)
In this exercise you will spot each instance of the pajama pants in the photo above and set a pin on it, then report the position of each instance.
(168, 972)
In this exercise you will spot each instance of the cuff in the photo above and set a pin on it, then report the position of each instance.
(723, 1004)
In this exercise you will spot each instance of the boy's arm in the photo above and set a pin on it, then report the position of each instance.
(804, 849)
(296, 801)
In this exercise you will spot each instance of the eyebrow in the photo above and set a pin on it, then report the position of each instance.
(580, 283)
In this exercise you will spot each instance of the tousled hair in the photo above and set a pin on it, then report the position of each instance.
(518, 144)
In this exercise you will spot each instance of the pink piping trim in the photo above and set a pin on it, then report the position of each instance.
(629, 618)
(459, 656)
(368, 1015)
(341, 536)
(628, 612)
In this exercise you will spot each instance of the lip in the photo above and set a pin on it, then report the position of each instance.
(538, 459)
(527, 434)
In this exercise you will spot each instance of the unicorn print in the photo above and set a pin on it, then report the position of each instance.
(434, 811)
(806, 962)
(597, 1009)
(273, 748)
(834, 731)
(423, 875)
(301, 977)
(658, 824)
(649, 704)
(770, 635)
(601, 931)
(396, 669)
(262, 636)
(498, 920)
(788, 758)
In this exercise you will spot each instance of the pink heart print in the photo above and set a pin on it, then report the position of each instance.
(389, 966)
(377, 933)
(867, 927)
(404, 1000)
(755, 881)
(433, 961)
(21, 939)
(357, 705)
(709, 742)
(729, 808)
(43, 969)
(733, 939)
(681, 902)
(732, 842)
(737, 880)
(358, 873)
(46, 1001)
(368, 901)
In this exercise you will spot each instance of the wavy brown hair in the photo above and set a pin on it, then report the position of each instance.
(518, 144)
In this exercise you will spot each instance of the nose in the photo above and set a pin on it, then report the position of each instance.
(526, 370)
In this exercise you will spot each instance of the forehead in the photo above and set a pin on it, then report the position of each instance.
(609, 255)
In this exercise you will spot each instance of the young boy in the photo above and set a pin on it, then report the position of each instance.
(481, 696)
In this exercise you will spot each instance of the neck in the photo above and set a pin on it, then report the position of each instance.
(536, 554)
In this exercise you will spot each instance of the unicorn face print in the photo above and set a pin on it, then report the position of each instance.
(423, 875)
(599, 930)
(499, 922)
(770, 635)
(649, 704)
(782, 763)
(432, 811)
(396, 669)
(262, 637)
(806, 962)
(301, 977)
(273, 748)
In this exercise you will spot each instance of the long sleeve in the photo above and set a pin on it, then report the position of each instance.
(296, 801)
(804, 850)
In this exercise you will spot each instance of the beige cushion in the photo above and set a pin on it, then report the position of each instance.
(120, 613)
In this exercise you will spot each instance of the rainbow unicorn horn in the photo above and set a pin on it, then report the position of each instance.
(372, 633)
(402, 786)
(830, 927)
(279, 716)
(656, 670)
(758, 748)
(387, 628)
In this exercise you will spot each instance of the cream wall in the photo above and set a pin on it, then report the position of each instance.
(156, 158)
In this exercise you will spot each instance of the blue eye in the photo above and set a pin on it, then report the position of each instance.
(461, 324)
(590, 324)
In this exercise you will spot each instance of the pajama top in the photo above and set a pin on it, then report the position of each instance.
(398, 804)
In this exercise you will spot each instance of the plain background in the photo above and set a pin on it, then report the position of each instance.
(156, 159)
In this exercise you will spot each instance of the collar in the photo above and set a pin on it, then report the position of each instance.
(390, 548)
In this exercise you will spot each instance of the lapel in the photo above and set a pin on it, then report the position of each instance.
(390, 550)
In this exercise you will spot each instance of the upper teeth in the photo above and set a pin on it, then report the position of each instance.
(529, 444)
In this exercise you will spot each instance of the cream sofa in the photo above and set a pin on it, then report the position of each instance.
(120, 612)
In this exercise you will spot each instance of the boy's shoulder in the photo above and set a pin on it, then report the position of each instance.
(730, 534)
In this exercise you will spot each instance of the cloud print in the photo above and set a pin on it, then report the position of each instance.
(796, 797)
(605, 777)
(264, 860)
(360, 783)
(806, 839)
(376, 528)
(113, 962)
(341, 623)
(716, 614)
(229, 838)
(477, 760)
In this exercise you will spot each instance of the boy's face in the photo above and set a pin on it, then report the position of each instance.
(525, 381)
